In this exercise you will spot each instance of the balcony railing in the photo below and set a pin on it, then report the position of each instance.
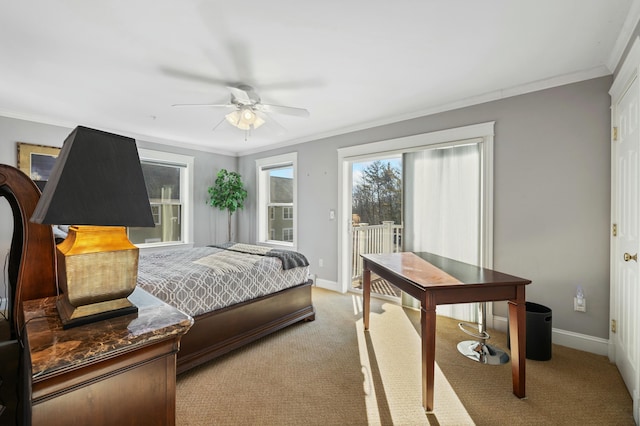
(365, 238)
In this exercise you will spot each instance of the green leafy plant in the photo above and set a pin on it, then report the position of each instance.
(227, 193)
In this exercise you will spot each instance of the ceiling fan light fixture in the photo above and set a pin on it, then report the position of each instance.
(258, 122)
(248, 115)
(244, 119)
(233, 118)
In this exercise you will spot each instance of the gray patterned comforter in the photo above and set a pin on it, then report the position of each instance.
(203, 279)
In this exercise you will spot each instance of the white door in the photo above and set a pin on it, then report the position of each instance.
(625, 294)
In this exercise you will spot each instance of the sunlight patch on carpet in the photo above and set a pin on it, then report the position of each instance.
(392, 384)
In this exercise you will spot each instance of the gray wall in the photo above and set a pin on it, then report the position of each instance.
(210, 225)
(551, 194)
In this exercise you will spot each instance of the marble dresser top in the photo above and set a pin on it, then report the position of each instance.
(54, 350)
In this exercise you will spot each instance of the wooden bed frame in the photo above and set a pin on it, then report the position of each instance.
(32, 275)
(32, 267)
(218, 332)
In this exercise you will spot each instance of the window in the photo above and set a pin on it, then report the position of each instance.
(287, 213)
(168, 178)
(287, 234)
(155, 212)
(277, 195)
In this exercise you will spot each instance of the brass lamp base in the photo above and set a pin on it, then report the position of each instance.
(72, 316)
(97, 271)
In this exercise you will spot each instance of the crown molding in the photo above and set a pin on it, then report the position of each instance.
(625, 35)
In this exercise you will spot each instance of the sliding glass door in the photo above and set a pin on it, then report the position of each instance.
(447, 201)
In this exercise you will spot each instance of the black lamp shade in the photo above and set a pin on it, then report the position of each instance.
(96, 180)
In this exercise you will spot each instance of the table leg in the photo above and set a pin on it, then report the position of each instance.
(517, 335)
(428, 324)
(366, 295)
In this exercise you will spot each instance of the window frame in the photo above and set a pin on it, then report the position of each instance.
(186, 164)
(263, 166)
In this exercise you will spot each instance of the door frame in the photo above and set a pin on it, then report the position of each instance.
(484, 131)
(629, 71)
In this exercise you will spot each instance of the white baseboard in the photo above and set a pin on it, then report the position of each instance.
(582, 342)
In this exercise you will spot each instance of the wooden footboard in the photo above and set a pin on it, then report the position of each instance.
(216, 333)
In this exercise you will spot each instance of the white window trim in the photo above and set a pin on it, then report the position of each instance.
(262, 197)
(186, 190)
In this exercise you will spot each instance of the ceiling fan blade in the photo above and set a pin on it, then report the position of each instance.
(186, 75)
(241, 57)
(219, 123)
(242, 95)
(292, 85)
(279, 109)
(206, 105)
(272, 124)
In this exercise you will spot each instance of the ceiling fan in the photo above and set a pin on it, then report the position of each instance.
(248, 110)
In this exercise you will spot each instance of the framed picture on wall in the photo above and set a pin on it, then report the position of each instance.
(36, 161)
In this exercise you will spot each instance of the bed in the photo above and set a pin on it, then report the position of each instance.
(217, 330)
(236, 293)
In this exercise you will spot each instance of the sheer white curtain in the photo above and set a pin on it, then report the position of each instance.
(442, 209)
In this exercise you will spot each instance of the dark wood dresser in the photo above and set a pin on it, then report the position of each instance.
(120, 371)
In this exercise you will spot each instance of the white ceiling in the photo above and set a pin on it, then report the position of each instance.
(120, 65)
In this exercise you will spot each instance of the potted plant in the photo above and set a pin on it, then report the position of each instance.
(227, 193)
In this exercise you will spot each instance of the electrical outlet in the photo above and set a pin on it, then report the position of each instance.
(321, 263)
(580, 304)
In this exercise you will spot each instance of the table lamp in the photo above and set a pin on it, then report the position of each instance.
(96, 186)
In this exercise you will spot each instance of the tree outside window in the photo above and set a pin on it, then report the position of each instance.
(377, 192)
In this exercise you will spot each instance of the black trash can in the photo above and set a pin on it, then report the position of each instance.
(538, 332)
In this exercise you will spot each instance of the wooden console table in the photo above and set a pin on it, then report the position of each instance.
(117, 371)
(436, 280)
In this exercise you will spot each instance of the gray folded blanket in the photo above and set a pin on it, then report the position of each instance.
(290, 259)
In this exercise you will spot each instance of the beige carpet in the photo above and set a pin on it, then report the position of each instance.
(330, 372)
